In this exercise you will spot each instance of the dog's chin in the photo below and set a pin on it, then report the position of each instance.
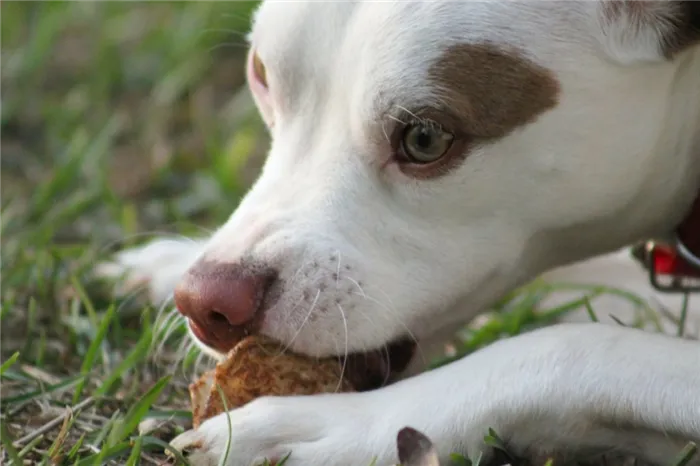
(366, 370)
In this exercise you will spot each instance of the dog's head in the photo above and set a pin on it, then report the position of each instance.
(428, 156)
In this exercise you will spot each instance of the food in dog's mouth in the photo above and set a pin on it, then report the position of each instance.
(259, 366)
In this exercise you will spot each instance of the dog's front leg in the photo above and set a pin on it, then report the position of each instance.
(566, 390)
(591, 387)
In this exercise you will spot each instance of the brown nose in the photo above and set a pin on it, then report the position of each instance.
(220, 299)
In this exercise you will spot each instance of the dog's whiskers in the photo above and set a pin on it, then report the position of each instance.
(385, 353)
(224, 45)
(354, 282)
(386, 136)
(392, 313)
(179, 356)
(298, 271)
(198, 362)
(392, 309)
(383, 306)
(237, 17)
(398, 120)
(126, 299)
(226, 31)
(345, 353)
(165, 327)
(166, 317)
(298, 331)
(164, 305)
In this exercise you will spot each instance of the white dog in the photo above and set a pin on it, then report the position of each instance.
(428, 157)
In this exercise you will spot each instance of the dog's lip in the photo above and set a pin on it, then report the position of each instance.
(197, 330)
(201, 335)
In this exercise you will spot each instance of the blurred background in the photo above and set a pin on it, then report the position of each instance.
(120, 121)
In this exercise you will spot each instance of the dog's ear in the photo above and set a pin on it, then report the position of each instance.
(415, 449)
(648, 30)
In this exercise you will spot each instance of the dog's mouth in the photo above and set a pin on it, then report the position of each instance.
(374, 369)
(367, 370)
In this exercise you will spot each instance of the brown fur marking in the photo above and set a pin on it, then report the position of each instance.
(492, 91)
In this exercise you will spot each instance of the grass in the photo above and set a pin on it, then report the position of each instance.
(119, 121)
(122, 121)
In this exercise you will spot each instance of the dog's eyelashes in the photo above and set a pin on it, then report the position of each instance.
(429, 146)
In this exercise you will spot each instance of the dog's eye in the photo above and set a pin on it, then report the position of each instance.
(423, 143)
(259, 69)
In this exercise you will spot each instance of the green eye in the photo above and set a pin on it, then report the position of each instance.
(423, 143)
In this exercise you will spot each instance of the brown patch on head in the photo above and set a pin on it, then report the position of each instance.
(491, 90)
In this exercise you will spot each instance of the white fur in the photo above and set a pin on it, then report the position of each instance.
(614, 162)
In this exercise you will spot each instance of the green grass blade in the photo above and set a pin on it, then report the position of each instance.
(99, 459)
(459, 460)
(590, 311)
(6, 442)
(224, 459)
(85, 300)
(93, 351)
(164, 446)
(687, 454)
(133, 417)
(10, 361)
(56, 388)
(493, 440)
(135, 455)
(138, 354)
(30, 446)
(76, 447)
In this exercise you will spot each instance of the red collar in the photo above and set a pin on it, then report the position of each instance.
(676, 267)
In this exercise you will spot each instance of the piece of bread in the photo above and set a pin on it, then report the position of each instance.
(258, 366)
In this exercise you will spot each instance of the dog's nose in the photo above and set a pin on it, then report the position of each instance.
(220, 299)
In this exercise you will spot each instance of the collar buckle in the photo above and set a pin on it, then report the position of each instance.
(671, 269)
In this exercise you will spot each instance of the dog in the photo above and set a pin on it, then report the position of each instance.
(426, 159)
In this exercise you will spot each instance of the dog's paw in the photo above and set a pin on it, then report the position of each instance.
(155, 267)
(332, 430)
